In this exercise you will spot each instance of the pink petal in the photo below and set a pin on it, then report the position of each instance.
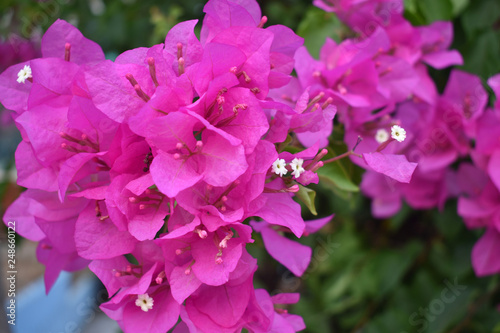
(288, 298)
(294, 256)
(205, 253)
(161, 318)
(23, 219)
(183, 285)
(485, 254)
(106, 270)
(14, 95)
(280, 209)
(83, 50)
(443, 59)
(395, 166)
(171, 175)
(493, 169)
(97, 239)
(313, 226)
(112, 93)
(30, 173)
(70, 171)
(224, 163)
(191, 47)
(225, 304)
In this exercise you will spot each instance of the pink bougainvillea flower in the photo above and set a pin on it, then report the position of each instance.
(143, 300)
(206, 305)
(281, 320)
(436, 39)
(40, 216)
(17, 50)
(481, 209)
(279, 54)
(15, 96)
(144, 214)
(485, 253)
(81, 50)
(183, 160)
(465, 93)
(97, 237)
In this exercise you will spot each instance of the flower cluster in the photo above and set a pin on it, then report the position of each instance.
(145, 168)
(478, 183)
(381, 79)
(381, 87)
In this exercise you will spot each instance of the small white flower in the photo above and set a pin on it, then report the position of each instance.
(279, 167)
(398, 133)
(144, 302)
(24, 74)
(382, 135)
(297, 167)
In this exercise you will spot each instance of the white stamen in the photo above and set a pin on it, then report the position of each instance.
(382, 135)
(144, 302)
(24, 74)
(297, 167)
(398, 133)
(279, 167)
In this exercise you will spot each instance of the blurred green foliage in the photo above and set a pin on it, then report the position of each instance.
(410, 273)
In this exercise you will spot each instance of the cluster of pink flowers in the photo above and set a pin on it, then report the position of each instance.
(146, 168)
(478, 184)
(381, 79)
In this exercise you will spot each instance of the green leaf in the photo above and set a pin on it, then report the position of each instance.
(448, 313)
(436, 10)
(480, 17)
(334, 174)
(459, 6)
(481, 54)
(392, 266)
(412, 13)
(411, 6)
(316, 26)
(446, 221)
(307, 196)
(397, 221)
(392, 320)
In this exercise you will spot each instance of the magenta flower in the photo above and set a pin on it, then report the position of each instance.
(485, 253)
(281, 320)
(183, 160)
(97, 237)
(481, 209)
(143, 300)
(436, 39)
(40, 216)
(465, 94)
